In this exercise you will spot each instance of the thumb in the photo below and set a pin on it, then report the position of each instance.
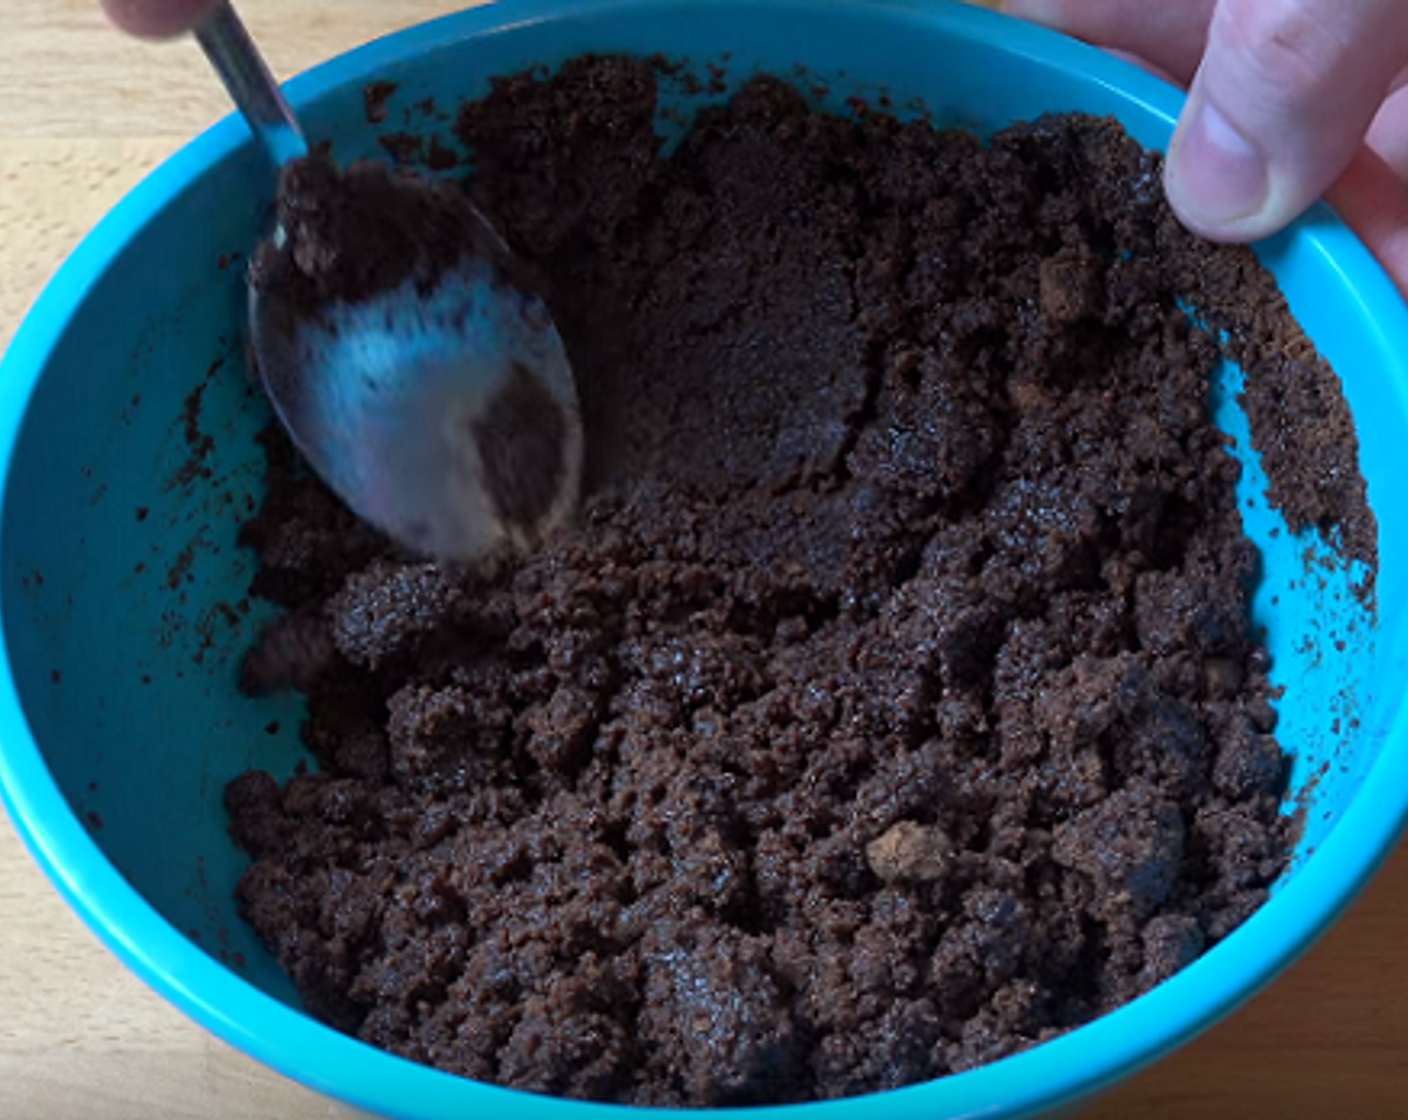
(1281, 101)
(157, 19)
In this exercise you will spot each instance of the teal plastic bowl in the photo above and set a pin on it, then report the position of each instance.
(127, 435)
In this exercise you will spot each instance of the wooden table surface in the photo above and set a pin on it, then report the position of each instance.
(86, 114)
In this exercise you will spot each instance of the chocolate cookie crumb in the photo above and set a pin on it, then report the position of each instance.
(520, 436)
(375, 95)
(354, 232)
(894, 706)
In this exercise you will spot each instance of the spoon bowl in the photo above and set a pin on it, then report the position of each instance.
(446, 418)
(437, 403)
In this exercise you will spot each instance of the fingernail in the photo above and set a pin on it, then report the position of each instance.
(1216, 177)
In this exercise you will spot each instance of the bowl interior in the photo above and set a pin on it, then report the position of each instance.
(124, 589)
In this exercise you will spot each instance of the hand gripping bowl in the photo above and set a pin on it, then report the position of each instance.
(125, 477)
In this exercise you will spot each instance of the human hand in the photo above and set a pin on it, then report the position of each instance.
(1288, 100)
(157, 19)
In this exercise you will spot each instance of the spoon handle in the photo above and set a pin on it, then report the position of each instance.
(250, 84)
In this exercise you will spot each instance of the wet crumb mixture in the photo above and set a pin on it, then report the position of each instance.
(893, 707)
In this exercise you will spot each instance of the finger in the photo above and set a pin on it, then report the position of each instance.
(1280, 103)
(1374, 201)
(1388, 135)
(157, 19)
(1170, 35)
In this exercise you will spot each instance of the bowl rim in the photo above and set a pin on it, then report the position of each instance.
(1047, 1076)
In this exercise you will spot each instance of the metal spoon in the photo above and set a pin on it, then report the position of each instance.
(447, 417)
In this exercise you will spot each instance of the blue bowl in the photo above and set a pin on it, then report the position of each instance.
(128, 460)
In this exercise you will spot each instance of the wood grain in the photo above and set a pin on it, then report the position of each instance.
(87, 114)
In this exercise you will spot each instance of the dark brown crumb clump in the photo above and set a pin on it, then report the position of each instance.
(374, 99)
(403, 228)
(894, 706)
